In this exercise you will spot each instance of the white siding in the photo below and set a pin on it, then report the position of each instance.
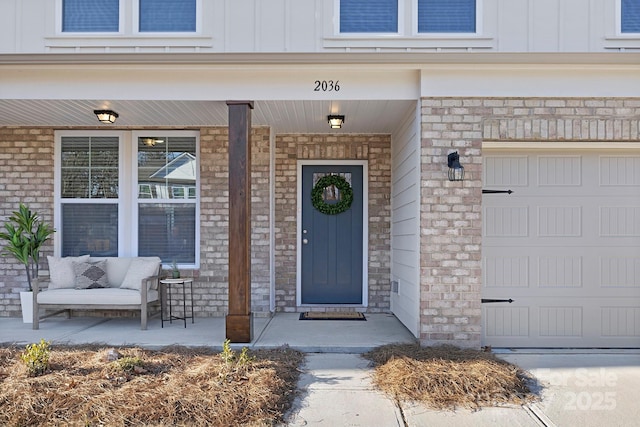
(405, 223)
(310, 26)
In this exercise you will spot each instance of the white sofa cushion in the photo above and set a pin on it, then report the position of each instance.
(61, 273)
(100, 296)
(138, 270)
(118, 267)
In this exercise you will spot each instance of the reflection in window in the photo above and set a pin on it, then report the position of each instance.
(167, 175)
(166, 168)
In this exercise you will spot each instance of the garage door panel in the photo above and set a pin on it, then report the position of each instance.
(565, 246)
(551, 322)
(580, 271)
(619, 171)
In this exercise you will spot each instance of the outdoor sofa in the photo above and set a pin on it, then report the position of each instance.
(98, 283)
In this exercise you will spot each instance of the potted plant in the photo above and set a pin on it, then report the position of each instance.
(24, 234)
(175, 272)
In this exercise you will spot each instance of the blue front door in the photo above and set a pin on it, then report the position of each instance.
(331, 244)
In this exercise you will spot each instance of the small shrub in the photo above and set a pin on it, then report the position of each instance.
(36, 358)
(229, 356)
(128, 364)
(244, 359)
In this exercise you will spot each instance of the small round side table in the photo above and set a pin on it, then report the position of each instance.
(167, 284)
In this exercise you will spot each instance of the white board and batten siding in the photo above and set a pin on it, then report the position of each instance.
(405, 223)
(565, 246)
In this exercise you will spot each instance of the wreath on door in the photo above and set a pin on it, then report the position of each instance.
(345, 191)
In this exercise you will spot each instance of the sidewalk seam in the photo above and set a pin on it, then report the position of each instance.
(404, 419)
(538, 415)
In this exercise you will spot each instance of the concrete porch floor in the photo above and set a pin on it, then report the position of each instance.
(311, 336)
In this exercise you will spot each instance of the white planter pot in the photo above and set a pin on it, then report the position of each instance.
(26, 301)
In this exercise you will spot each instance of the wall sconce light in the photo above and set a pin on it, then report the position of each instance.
(456, 171)
(106, 116)
(335, 121)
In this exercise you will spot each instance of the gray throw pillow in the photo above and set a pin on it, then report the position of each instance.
(91, 275)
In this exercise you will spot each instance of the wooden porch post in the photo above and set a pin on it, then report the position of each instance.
(239, 321)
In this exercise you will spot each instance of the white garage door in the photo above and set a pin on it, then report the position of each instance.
(565, 246)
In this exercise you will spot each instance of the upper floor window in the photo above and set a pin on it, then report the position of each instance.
(84, 16)
(447, 16)
(368, 16)
(108, 16)
(167, 16)
(630, 16)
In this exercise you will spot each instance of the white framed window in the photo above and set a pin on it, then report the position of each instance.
(106, 17)
(89, 16)
(115, 194)
(628, 16)
(447, 16)
(369, 16)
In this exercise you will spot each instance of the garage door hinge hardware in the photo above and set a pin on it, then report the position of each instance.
(487, 301)
(496, 191)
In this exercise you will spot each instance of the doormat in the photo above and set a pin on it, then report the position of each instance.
(314, 315)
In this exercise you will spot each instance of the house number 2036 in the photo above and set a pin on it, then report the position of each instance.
(326, 86)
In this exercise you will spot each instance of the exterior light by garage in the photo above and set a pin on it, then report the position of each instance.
(456, 170)
(335, 121)
(106, 116)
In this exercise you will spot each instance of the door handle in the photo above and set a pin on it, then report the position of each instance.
(305, 241)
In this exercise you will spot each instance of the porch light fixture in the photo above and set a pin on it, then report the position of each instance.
(335, 121)
(106, 116)
(456, 170)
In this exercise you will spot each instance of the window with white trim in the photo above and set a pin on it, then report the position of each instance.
(630, 16)
(447, 16)
(109, 205)
(368, 16)
(146, 16)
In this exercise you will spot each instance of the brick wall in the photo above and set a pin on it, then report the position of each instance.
(374, 148)
(451, 227)
(26, 176)
(211, 287)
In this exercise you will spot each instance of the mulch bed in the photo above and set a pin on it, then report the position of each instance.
(175, 386)
(447, 377)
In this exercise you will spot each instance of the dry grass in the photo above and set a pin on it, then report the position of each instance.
(176, 386)
(447, 377)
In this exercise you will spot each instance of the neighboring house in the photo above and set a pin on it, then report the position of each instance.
(541, 97)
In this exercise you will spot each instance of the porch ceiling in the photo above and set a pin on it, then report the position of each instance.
(361, 116)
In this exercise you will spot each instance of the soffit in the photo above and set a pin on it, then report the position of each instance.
(361, 116)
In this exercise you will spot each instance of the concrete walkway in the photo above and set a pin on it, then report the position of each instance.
(578, 388)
